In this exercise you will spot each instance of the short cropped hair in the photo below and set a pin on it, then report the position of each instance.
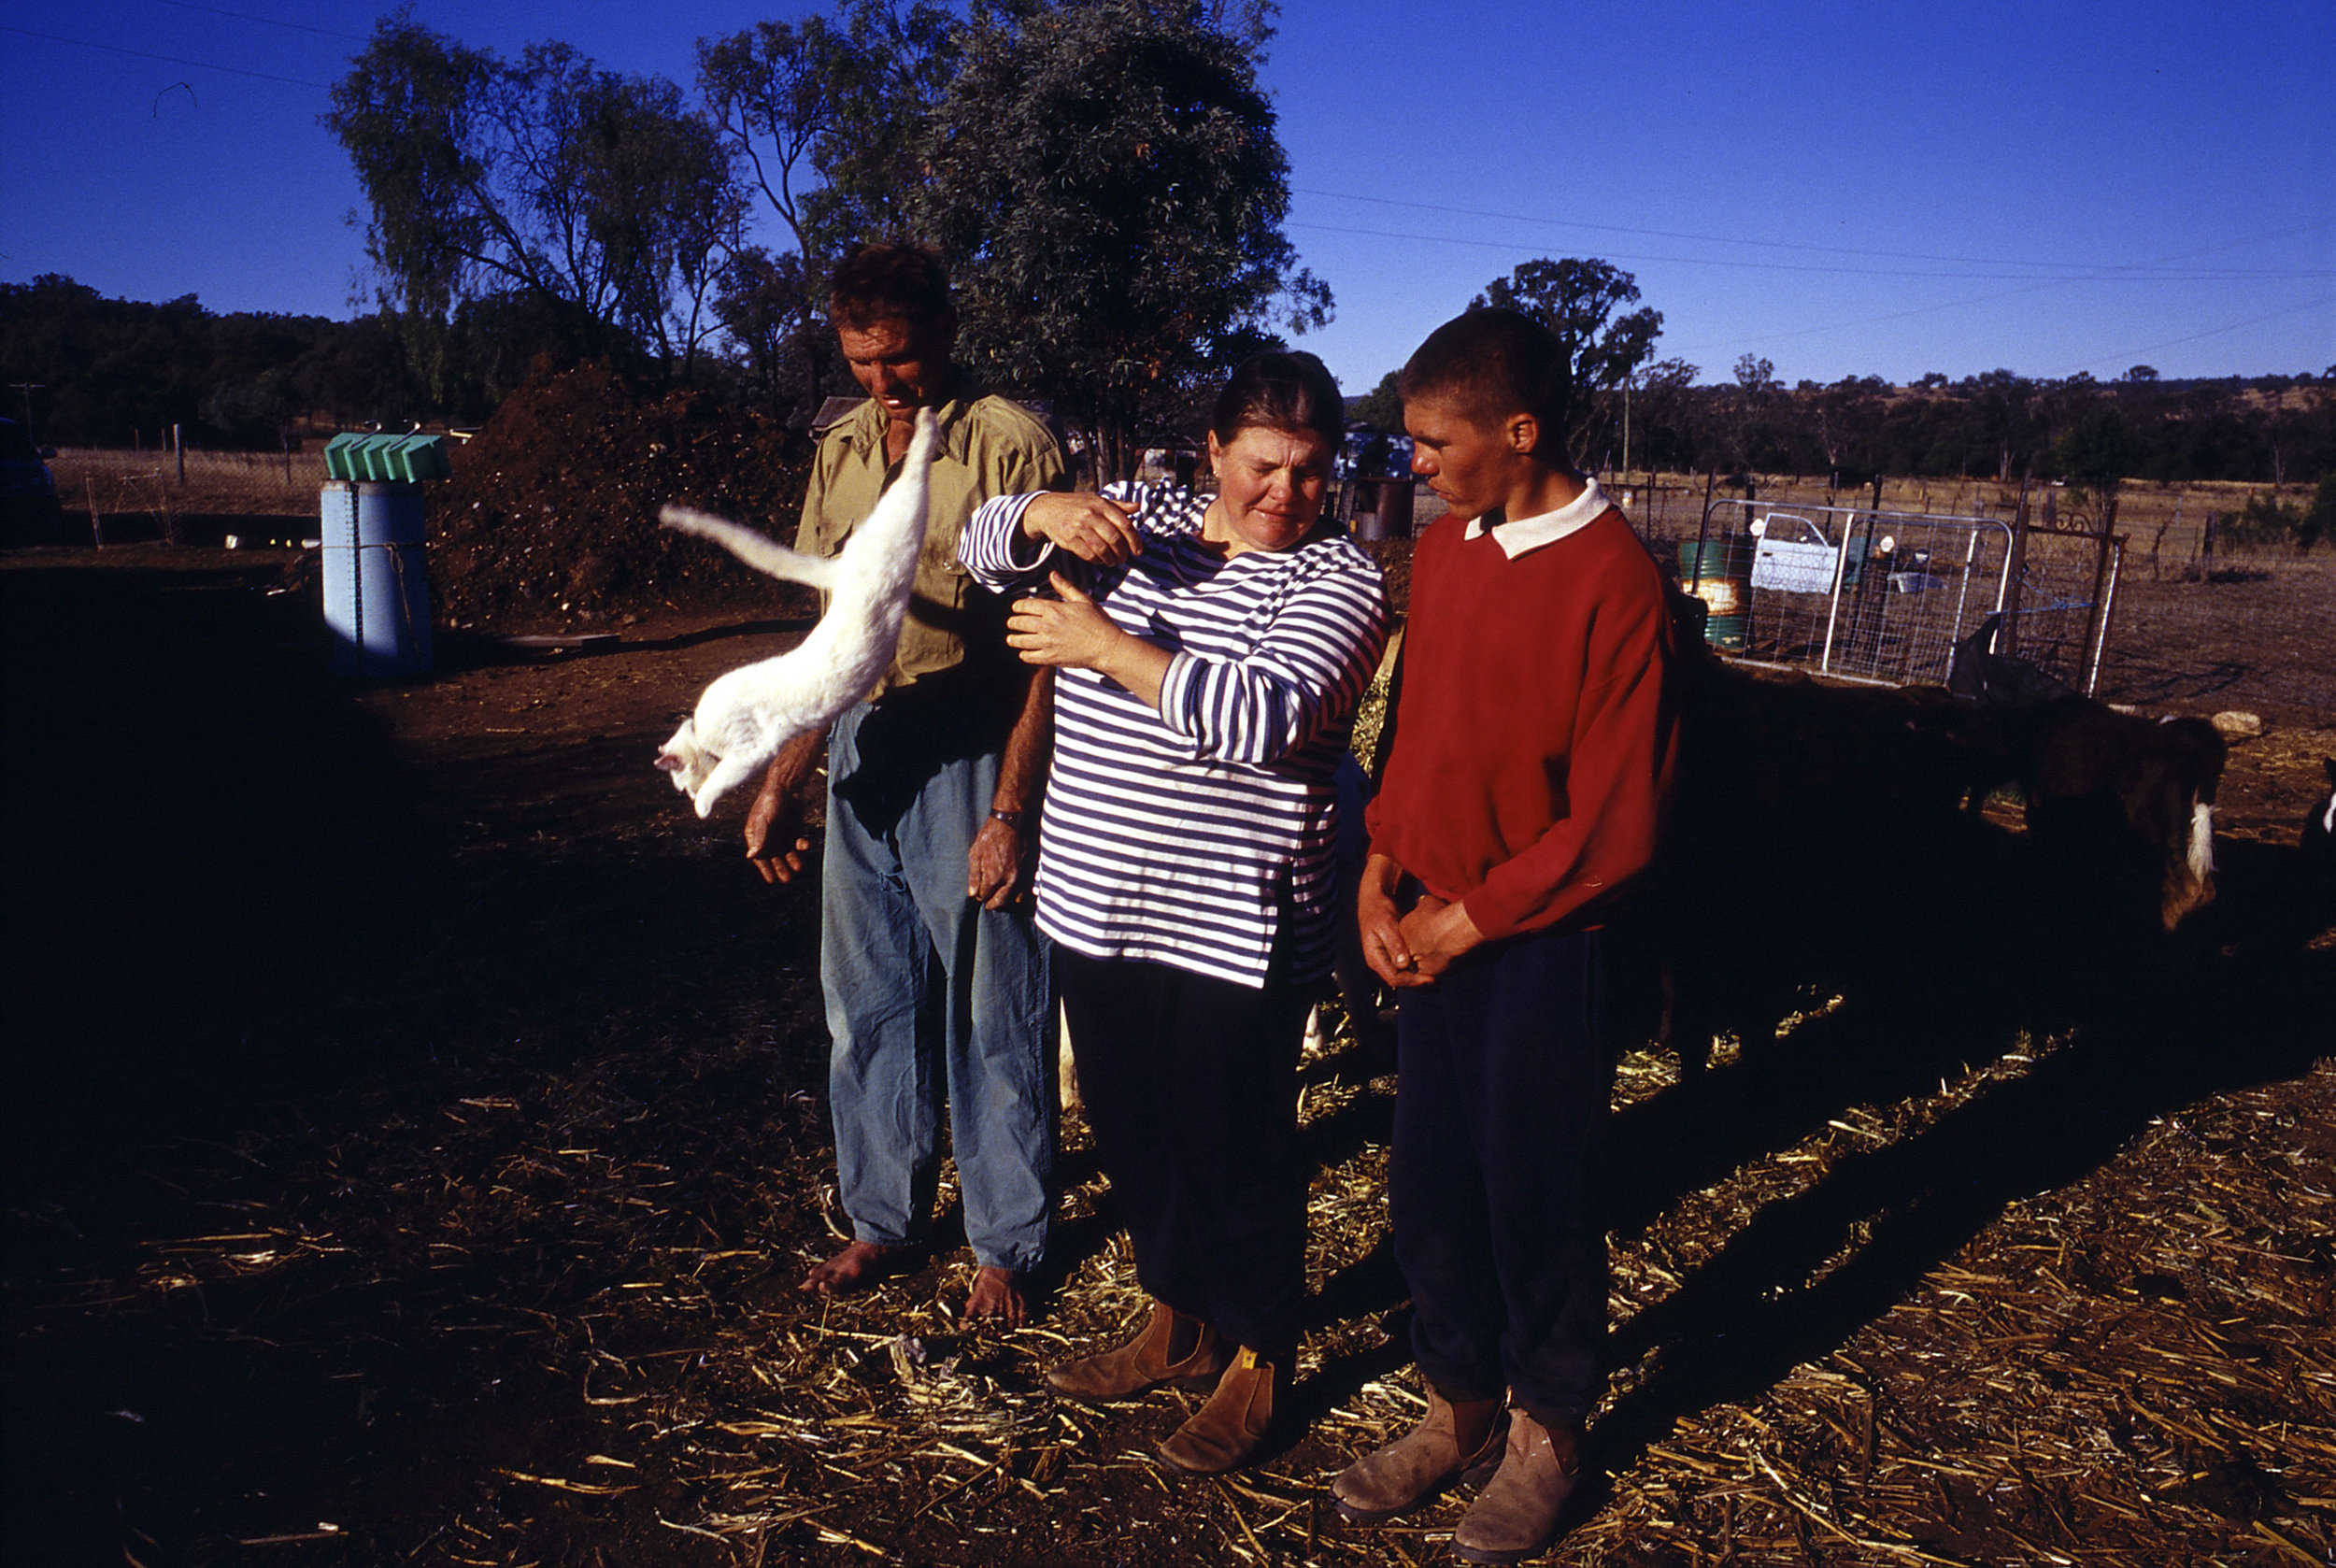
(1280, 390)
(888, 281)
(1493, 363)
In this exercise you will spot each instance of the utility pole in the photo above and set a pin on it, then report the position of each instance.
(28, 389)
(1626, 428)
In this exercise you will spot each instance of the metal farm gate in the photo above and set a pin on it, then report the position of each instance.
(1873, 596)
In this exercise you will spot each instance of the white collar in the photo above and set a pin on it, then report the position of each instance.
(1527, 534)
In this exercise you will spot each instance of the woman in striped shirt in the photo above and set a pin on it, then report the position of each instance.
(1211, 654)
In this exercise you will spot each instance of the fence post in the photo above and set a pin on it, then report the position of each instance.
(179, 444)
(2096, 615)
(2014, 568)
(2108, 608)
(1703, 529)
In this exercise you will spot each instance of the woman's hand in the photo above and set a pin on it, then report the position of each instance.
(1074, 633)
(1099, 531)
(1071, 631)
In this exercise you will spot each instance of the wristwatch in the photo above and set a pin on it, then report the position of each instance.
(1015, 820)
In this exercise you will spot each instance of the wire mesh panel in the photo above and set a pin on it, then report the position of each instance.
(2064, 603)
(1884, 595)
(1850, 591)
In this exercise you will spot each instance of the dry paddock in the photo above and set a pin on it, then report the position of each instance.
(417, 1125)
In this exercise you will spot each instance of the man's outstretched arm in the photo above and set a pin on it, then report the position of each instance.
(774, 842)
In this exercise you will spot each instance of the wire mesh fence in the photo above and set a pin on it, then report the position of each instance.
(1875, 594)
(2180, 615)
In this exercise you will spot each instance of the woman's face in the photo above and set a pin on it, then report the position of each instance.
(1269, 487)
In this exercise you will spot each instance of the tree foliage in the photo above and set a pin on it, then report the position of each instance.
(826, 118)
(1382, 408)
(2099, 451)
(116, 372)
(1577, 299)
(599, 198)
(1107, 180)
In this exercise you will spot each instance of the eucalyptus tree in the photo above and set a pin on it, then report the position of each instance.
(1106, 178)
(825, 118)
(601, 196)
(1577, 299)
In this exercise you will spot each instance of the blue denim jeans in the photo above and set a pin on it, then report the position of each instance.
(927, 990)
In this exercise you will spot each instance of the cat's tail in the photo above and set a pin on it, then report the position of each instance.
(765, 555)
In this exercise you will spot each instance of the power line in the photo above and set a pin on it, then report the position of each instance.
(1773, 243)
(166, 59)
(2130, 356)
(2125, 276)
(2176, 258)
(265, 20)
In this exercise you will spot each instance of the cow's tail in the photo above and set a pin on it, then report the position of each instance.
(2202, 854)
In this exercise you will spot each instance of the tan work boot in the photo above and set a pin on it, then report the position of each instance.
(1515, 1515)
(1413, 1468)
(1227, 1432)
(1143, 1362)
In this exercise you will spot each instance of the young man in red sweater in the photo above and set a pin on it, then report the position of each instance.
(1534, 745)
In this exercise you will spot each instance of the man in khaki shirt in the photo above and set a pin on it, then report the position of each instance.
(927, 953)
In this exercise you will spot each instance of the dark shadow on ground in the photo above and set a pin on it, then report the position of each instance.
(196, 815)
(237, 919)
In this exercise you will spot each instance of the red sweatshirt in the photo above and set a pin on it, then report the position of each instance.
(1536, 737)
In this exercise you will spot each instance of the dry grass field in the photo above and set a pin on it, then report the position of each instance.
(144, 489)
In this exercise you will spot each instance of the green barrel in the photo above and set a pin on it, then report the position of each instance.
(1719, 572)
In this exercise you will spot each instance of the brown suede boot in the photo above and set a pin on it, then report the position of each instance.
(1143, 1362)
(1413, 1468)
(1227, 1432)
(1515, 1515)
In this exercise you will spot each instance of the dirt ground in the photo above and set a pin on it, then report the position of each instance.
(417, 1121)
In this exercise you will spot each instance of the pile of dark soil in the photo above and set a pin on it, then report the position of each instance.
(549, 522)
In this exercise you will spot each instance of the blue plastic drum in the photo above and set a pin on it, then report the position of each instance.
(377, 585)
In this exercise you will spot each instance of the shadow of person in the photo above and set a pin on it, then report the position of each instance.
(1808, 1272)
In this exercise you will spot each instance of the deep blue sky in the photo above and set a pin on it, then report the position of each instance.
(1842, 188)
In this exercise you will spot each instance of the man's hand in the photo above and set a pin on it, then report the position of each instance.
(1409, 949)
(998, 866)
(1383, 945)
(775, 842)
(1097, 531)
(1436, 934)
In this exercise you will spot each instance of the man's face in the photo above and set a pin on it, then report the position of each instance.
(1470, 464)
(904, 367)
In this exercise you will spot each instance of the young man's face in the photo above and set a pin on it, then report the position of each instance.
(903, 366)
(1471, 463)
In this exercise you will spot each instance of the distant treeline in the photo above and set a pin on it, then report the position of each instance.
(2264, 429)
(113, 371)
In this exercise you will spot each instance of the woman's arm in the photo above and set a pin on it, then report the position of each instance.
(1010, 538)
(1072, 631)
(1307, 672)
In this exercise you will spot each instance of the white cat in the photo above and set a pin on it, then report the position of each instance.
(745, 716)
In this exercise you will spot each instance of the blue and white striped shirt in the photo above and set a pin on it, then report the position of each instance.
(1182, 833)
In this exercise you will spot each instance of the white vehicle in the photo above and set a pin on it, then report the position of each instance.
(1795, 557)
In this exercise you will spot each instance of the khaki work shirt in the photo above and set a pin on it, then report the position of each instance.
(990, 446)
